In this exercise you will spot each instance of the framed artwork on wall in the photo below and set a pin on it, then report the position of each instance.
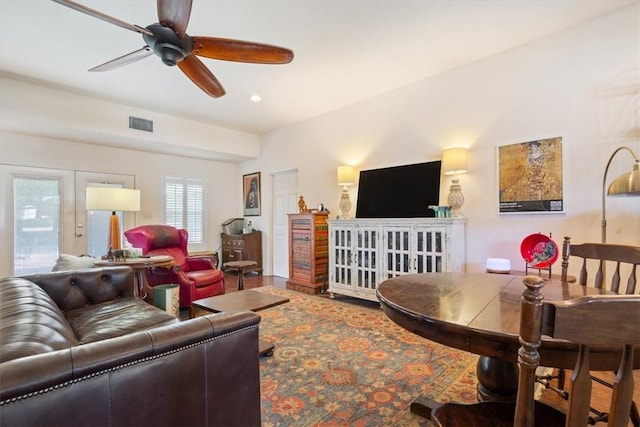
(251, 194)
(530, 177)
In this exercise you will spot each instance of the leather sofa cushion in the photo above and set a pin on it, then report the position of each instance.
(30, 322)
(115, 318)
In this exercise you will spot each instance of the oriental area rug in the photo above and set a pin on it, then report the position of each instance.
(342, 362)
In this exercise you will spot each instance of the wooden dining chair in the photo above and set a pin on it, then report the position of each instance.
(594, 257)
(621, 278)
(562, 320)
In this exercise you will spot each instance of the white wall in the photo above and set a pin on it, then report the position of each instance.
(223, 195)
(582, 84)
(37, 110)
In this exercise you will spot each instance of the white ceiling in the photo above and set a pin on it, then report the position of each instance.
(345, 51)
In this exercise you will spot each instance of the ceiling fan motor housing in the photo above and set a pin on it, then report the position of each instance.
(167, 45)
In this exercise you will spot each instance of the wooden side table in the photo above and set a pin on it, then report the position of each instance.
(240, 266)
(140, 267)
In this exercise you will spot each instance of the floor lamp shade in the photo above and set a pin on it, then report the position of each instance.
(627, 184)
(112, 199)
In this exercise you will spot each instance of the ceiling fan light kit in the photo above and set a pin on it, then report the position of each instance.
(168, 39)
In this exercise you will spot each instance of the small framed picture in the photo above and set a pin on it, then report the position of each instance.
(251, 194)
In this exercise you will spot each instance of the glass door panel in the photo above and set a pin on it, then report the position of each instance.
(341, 245)
(366, 263)
(33, 218)
(430, 250)
(36, 215)
(398, 251)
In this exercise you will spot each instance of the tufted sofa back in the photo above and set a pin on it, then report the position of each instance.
(77, 288)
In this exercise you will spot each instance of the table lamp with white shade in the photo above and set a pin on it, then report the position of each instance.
(113, 199)
(346, 177)
(454, 162)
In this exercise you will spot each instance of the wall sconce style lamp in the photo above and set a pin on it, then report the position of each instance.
(627, 184)
(454, 162)
(346, 177)
(113, 199)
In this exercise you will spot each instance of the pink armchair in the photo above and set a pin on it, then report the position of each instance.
(198, 277)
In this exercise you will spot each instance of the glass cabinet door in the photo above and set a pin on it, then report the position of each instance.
(430, 249)
(342, 248)
(397, 250)
(366, 262)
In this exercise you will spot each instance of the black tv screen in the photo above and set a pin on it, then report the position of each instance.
(399, 192)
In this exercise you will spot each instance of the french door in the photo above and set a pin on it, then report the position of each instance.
(42, 214)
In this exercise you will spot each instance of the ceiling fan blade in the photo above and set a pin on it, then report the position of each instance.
(175, 15)
(92, 12)
(240, 51)
(124, 60)
(201, 76)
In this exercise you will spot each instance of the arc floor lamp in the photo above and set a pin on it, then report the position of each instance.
(627, 184)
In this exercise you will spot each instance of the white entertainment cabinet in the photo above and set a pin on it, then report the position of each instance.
(364, 252)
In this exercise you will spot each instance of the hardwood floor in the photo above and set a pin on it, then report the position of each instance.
(252, 280)
(601, 395)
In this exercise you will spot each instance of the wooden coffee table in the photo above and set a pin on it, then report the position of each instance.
(242, 300)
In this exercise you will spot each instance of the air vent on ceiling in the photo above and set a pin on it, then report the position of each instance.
(140, 124)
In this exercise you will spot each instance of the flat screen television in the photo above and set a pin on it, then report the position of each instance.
(399, 192)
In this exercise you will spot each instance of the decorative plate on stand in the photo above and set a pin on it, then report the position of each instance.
(539, 251)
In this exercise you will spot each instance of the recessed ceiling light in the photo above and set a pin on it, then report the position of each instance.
(256, 98)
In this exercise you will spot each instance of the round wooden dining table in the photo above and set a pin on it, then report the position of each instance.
(480, 313)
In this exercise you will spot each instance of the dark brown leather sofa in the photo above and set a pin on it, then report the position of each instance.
(77, 348)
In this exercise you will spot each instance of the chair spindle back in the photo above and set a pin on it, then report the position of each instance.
(600, 253)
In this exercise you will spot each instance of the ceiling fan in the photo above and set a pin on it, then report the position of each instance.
(168, 39)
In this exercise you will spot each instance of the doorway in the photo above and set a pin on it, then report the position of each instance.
(285, 201)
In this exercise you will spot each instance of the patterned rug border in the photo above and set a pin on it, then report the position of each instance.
(388, 395)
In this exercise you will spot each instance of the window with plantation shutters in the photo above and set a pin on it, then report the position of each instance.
(184, 207)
